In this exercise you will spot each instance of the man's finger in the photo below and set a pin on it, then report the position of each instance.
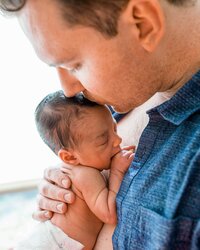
(42, 215)
(51, 205)
(55, 193)
(55, 175)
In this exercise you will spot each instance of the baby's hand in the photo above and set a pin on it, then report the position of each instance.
(122, 160)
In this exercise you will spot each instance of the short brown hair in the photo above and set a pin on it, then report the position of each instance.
(99, 14)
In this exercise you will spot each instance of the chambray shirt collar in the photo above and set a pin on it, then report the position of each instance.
(183, 104)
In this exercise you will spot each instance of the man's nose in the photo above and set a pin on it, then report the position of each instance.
(70, 85)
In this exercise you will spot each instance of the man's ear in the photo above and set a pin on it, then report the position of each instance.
(67, 156)
(147, 19)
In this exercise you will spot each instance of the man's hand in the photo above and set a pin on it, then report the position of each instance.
(54, 194)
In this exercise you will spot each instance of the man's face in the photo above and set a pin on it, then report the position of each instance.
(98, 139)
(113, 71)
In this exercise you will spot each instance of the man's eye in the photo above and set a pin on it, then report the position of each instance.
(75, 69)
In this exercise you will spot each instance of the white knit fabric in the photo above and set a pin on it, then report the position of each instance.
(46, 236)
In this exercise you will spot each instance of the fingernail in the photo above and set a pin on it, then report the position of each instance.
(65, 183)
(47, 214)
(67, 197)
(60, 207)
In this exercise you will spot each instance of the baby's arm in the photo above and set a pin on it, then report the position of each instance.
(100, 198)
(119, 166)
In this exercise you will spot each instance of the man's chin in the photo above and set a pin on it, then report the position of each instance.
(121, 110)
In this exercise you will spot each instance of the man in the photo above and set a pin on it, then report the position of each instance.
(121, 53)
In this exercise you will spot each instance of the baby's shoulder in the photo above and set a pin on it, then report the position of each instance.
(85, 178)
(83, 173)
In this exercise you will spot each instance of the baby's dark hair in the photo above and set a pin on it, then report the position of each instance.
(56, 117)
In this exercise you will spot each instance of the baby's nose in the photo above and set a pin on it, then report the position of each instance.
(117, 141)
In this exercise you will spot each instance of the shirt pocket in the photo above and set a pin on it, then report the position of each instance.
(152, 231)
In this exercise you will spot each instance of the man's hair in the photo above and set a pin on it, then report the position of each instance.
(57, 118)
(101, 15)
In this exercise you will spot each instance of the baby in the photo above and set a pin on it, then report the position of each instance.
(83, 134)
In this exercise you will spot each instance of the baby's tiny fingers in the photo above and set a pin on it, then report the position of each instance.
(131, 156)
(127, 154)
(132, 148)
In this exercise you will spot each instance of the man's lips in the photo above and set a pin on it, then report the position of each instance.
(89, 97)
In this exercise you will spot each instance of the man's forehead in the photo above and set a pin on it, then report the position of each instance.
(41, 25)
(54, 42)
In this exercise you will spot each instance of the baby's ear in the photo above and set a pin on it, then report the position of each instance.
(68, 157)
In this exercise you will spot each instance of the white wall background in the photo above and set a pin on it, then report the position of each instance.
(24, 81)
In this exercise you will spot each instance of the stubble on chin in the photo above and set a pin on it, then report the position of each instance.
(121, 110)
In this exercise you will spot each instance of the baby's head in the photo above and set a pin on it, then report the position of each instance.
(77, 130)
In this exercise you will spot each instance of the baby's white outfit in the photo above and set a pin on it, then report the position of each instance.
(46, 236)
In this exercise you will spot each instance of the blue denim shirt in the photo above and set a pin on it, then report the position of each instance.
(158, 203)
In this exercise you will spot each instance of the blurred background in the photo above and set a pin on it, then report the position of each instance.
(24, 81)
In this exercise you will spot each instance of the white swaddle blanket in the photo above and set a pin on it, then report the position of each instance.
(46, 236)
